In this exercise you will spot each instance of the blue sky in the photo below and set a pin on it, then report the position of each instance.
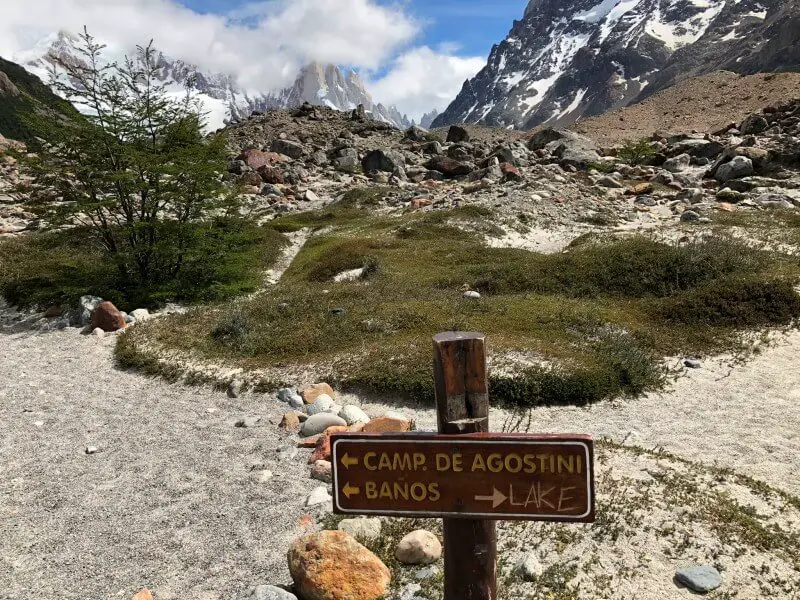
(472, 25)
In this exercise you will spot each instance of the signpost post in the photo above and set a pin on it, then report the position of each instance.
(465, 475)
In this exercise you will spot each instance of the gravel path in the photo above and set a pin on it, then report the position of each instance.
(172, 499)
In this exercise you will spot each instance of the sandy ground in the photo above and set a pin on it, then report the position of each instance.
(174, 500)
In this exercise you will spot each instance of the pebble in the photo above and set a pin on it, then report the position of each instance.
(264, 476)
(248, 422)
(418, 548)
(692, 363)
(338, 312)
(91, 450)
(97, 332)
(699, 578)
(472, 295)
(287, 453)
(322, 470)
(529, 568)
(143, 594)
(268, 592)
(316, 424)
(364, 529)
(353, 414)
(320, 495)
(689, 215)
(426, 573)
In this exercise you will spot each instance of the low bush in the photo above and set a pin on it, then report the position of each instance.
(636, 152)
(222, 258)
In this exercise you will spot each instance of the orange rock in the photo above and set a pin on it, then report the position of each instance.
(356, 428)
(143, 594)
(312, 392)
(322, 451)
(387, 425)
(107, 317)
(290, 422)
(332, 565)
(309, 442)
(642, 188)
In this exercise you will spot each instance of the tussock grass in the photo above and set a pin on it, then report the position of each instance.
(600, 314)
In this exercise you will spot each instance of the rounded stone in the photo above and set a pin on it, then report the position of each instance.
(269, 592)
(353, 414)
(332, 565)
(364, 529)
(472, 295)
(322, 404)
(699, 578)
(418, 548)
(528, 568)
(318, 423)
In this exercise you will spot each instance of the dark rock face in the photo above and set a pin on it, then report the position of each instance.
(567, 59)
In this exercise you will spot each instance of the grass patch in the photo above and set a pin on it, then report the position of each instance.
(599, 315)
(227, 258)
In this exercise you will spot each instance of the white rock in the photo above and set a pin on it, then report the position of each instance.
(529, 568)
(98, 332)
(364, 529)
(320, 495)
(320, 422)
(418, 548)
(353, 414)
(394, 414)
(141, 315)
(322, 404)
(91, 450)
(472, 295)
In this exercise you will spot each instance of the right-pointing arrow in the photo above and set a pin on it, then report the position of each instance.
(497, 498)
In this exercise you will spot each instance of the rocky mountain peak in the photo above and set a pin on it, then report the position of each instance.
(567, 59)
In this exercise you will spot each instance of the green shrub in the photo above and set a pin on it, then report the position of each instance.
(636, 152)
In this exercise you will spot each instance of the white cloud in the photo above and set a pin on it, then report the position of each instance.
(263, 44)
(422, 79)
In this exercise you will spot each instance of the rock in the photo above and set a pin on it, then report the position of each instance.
(529, 568)
(775, 201)
(143, 594)
(387, 425)
(310, 196)
(689, 215)
(322, 404)
(415, 133)
(290, 422)
(609, 182)
(457, 134)
(364, 529)
(347, 164)
(91, 450)
(263, 476)
(692, 363)
(288, 148)
(448, 167)
(268, 592)
(678, 163)
(141, 315)
(107, 317)
(54, 311)
(97, 332)
(738, 167)
(322, 449)
(312, 392)
(510, 172)
(320, 422)
(322, 470)
(383, 160)
(235, 388)
(247, 422)
(319, 496)
(255, 158)
(642, 188)
(729, 195)
(426, 573)
(409, 592)
(338, 312)
(332, 565)
(754, 124)
(690, 195)
(571, 148)
(353, 414)
(699, 578)
(269, 175)
(418, 548)
(472, 295)
(291, 397)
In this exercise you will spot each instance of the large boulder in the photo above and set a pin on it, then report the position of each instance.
(457, 134)
(415, 133)
(569, 147)
(448, 167)
(288, 148)
(419, 547)
(332, 565)
(388, 161)
(736, 168)
(256, 158)
(107, 317)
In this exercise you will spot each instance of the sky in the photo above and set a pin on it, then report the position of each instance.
(415, 54)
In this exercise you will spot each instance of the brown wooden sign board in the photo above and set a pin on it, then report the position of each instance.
(476, 476)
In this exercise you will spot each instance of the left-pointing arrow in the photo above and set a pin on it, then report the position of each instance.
(348, 490)
(349, 461)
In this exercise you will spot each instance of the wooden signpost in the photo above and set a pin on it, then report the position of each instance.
(465, 475)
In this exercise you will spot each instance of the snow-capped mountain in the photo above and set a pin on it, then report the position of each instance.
(224, 100)
(570, 58)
